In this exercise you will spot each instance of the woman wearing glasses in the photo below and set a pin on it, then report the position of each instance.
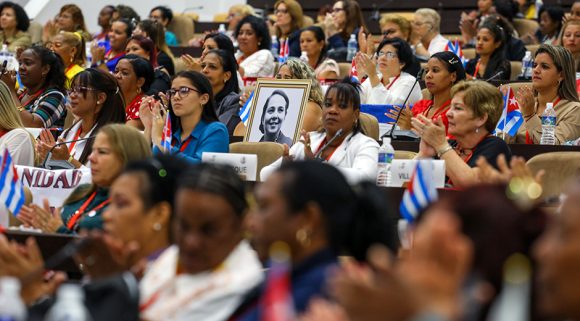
(393, 82)
(346, 19)
(289, 21)
(95, 100)
(195, 127)
(70, 46)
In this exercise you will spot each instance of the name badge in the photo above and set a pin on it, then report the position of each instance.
(245, 165)
(402, 171)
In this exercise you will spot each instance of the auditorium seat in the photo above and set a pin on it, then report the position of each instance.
(369, 125)
(516, 69)
(525, 26)
(182, 27)
(221, 17)
(469, 53)
(344, 69)
(559, 166)
(267, 152)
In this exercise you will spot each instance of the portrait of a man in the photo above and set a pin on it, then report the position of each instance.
(274, 112)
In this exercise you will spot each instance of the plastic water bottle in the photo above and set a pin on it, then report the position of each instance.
(69, 305)
(304, 57)
(4, 54)
(386, 155)
(275, 48)
(351, 48)
(527, 66)
(11, 306)
(548, 125)
(222, 28)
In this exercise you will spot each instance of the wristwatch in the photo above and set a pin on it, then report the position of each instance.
(443, 150)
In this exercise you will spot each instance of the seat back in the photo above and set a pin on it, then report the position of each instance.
(369, 125)
(559, 167)
(182, 26)
(267, 152)
(469, 53)
(344, 68)
(516, 69)
(525, 26)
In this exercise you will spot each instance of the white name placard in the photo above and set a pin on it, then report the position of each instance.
(402, 170)
(245, 165)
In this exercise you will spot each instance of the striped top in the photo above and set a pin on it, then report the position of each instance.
(49, 106)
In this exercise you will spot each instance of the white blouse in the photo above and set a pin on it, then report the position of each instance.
(19, 144)
(259, 64)
(397, 91)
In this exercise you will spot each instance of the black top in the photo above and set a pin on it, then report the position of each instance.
(228, 109)
(490, 148)
(503, 65)
(164, 60)
(161, 82)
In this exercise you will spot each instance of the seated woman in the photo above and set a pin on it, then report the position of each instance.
(553, 81)
(444, 69)
(14, 30)
(550, 20)
(211, 41)
(195, 127)
(135, 76)
(42, 101)
(346, 20)
(70, 18)
(140, 212)
(156, 32)
(298, 69)
(192, 282)
(312, 41)
(392, 26)
(289, 21)
(393, 84)
(95, 101)
(310, 208)
(13, 136)
(145, 48)
(254, 56)
(104, 21)
(350, 150)
(70, 46)
(220, 68)
(473, 115)
(426, 38)
(490, 61)
(571, 39)
(115, 145)
(121, 30)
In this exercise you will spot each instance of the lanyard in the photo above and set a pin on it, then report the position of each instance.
(185, 144)
(392, 82)
(474, 148)
(529, 139)
(476, 73)
(72, 145)
(78, 213)
(439, 111)
(31, 97)
(320, 147)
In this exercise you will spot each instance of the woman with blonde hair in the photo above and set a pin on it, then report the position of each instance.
(395, 26)
(426, 38)
(553, 81)
(474, 112)
(570, 39)
(297, 69)
(115, 145)
(289, 21)
(70, 18)
(13, 136)
(70, 46)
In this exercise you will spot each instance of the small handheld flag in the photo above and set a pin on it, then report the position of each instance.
(11, 190)
(245, 110)
(166, 135)
(419, 193)
(511, 117)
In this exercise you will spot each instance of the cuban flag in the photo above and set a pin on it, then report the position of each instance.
(11, 190)
(353, 72)
(245, 110)
(511, 117)
(419, 193)
(277, 300)
(166, 135)
(456, 49)
(284, 51)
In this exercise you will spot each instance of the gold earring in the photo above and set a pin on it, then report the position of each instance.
(303, 237)
(157, 227)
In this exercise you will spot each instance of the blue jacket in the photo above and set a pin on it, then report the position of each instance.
(206, 137)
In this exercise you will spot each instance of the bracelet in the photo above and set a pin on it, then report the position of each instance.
(20, 108)
(444, 150)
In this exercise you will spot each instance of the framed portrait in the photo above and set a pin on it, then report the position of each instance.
(277, 110)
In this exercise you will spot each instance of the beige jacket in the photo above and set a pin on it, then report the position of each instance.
(567, 124)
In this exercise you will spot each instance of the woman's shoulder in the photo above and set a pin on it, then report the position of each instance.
(214, 127)
(361, 139)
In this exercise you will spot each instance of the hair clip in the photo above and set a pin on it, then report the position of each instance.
(452, 61)
(116, 90)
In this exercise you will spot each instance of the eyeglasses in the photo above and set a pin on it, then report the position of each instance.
(387, 54)
(337, 10)
(283, 11)
(80, 90)
(182, 91)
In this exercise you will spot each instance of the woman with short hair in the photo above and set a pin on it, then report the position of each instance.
(70, 46)
(254, 56)
(473, 115)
